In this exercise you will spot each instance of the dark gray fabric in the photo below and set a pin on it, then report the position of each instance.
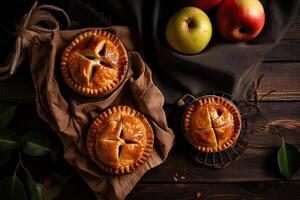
(226, 66)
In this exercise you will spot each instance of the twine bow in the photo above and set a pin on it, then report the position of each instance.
(26, 30)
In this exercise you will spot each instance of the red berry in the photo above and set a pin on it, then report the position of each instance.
(47, 184)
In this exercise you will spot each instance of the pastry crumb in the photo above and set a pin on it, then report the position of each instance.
(198, 195)
(178, 177)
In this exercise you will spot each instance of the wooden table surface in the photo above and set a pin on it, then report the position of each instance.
(253, 176)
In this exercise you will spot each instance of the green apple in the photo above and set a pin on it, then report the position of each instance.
(189, 30)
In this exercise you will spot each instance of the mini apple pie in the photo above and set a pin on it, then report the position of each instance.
(120, 140)
(212, 124)
(95, 63)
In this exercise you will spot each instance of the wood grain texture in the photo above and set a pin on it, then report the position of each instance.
(286, 50)
(193, 191)
(258, 163)
(229, 191)
(253, 176)
(282, 78)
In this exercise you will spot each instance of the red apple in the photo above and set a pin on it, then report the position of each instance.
(204, 4)
(240, 20)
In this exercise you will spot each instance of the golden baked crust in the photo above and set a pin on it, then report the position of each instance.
(95, 63)
(120, 139)
(212, 124)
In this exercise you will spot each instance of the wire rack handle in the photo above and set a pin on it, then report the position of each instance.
(186, 100)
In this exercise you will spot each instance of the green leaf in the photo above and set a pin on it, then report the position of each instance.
(288, 160)
(8, 141)
(40, 189)
(12, 188)
(7, 112)
(48, 194)
(17, 189)
(57, 182)
(53, 192)
(37, 143)
(32, 186)
(4, 157)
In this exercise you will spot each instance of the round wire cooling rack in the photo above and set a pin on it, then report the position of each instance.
(223, 158)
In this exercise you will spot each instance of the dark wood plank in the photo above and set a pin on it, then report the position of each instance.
(78, 190)
(229, 191)
(258, 163)
(294, 31)
(286, 50)
(281, 77)
(288, 47)
(272, 112)
(281, 69)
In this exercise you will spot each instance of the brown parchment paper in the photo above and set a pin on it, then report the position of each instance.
(70, 115)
